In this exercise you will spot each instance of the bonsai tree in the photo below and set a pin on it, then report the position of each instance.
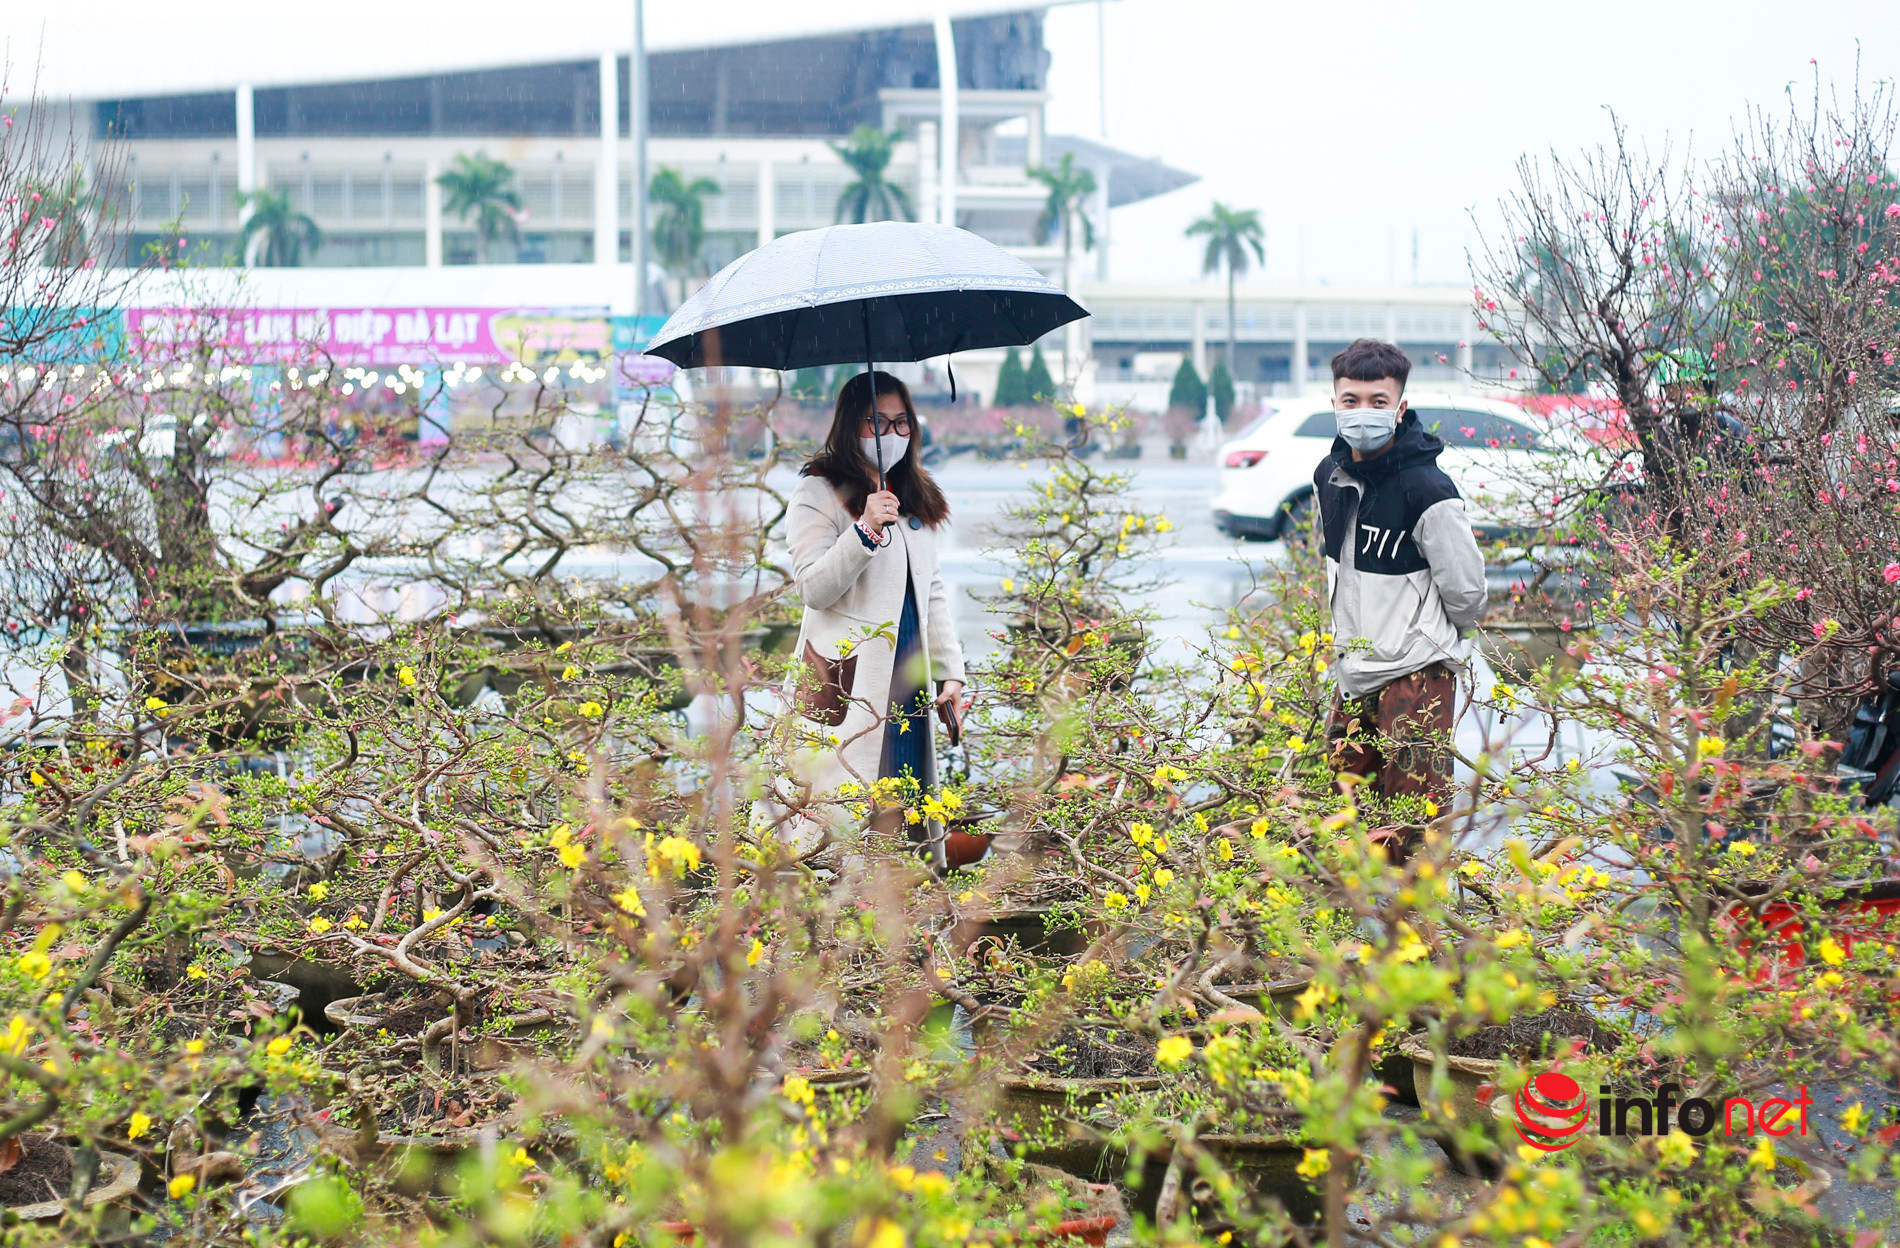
(1187, 400)
(1036, 379)
(1220, 386)
(1012, 383)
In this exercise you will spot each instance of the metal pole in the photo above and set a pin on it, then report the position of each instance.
(246, 153)
(1101, 61)
(949, 140)
(637, 124)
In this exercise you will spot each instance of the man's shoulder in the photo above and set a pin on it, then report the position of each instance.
(1427, 484)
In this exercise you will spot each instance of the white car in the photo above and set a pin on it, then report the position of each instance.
(1266, 471)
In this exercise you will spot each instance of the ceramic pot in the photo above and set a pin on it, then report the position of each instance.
(118, 1182)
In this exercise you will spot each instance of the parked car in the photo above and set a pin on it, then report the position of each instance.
(1266, 471)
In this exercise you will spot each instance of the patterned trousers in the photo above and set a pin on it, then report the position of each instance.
(1398, 737)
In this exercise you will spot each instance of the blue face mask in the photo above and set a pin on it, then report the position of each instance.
(1366, 429)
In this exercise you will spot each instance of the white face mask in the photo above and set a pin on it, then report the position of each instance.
(1366, 429)
(894, 445)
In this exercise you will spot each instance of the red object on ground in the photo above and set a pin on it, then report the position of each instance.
(1862, 916)
(962, 849)
(1091, 1231)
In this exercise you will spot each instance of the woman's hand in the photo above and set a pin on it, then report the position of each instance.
(880, 509)
(950, 707)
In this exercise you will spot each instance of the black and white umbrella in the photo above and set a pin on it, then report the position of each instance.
(889, 290)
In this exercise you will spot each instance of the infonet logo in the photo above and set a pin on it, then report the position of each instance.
(1552, 1110)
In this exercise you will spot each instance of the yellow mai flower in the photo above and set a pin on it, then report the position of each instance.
(572, 855)
(1676, 1150)
(137, 1125)
(797, 1089)
(156, 704)
(1763, 1154)
(35, 964)
(194, 971)
(756, 952)
(678, 852)
(1173, 1051)
(628, 900)
(181, 1185)
(591, 710)
(319, 891)
(1831, 953)
(570, 672)
(355, 922)
(319, 925)
(1224, 850)
(279, 1046)
(406, 675)
(1114, 901)
(1163, 877)
(882, 1233)
(1313, 1162)
(1296, 744)
(1708, 745)
(1852, 1117)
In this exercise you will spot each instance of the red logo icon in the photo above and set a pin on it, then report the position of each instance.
(1551, 1110)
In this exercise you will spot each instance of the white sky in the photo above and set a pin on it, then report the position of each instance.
(1353, 124)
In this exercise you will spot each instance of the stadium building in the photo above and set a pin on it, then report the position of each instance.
(353, 116)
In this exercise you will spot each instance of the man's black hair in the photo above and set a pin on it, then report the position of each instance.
(1372, 359)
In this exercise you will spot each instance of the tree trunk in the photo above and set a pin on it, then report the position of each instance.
(1231, 330)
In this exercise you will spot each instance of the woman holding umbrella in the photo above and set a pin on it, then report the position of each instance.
(877, 631)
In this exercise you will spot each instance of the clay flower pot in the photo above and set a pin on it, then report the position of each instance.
(118, 1182)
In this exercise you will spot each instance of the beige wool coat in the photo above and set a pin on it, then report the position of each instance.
(841, 688)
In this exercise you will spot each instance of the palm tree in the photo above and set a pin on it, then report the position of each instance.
(1068, 188)
(485, 189)
(1231, 234)
(679, 230)
(871, 198)
(285, 231)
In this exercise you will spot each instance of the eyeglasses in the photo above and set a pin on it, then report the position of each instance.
(886, 424)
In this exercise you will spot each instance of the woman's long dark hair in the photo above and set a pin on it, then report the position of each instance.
(842, 462)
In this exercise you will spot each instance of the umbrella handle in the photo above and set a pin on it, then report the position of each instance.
(870, 370)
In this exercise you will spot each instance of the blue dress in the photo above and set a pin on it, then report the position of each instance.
(907, 731)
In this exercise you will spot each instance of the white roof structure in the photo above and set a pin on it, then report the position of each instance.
(112, 49)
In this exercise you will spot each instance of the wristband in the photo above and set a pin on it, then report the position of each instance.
(870, 540)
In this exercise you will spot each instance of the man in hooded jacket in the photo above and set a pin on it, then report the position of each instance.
(1406, 581)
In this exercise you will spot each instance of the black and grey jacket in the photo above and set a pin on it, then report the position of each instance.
(1406, 578)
